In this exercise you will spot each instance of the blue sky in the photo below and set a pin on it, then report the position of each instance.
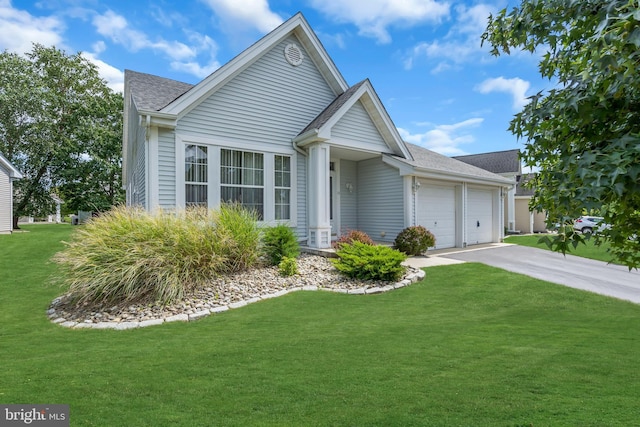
(441, 88)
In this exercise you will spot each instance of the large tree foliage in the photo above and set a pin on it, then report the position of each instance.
(583, 135)
(60, 125)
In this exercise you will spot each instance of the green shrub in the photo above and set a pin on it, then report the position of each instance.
(128, 255)
(288, 267)
(367, 262)
(279, 242)
(414, 240)
(353, 236)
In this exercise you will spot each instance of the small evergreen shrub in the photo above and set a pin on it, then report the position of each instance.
(279, 242)
(128, 255)
(369, 262)
(353, 236)
(414, 240)
(288, 267)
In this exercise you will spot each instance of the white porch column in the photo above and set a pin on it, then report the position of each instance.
(511, 209)
(318, 196)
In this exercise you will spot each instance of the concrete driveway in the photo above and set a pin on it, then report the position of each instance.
(576, 272)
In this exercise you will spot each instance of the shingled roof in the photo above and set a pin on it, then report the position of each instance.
(153, 92)
(332, 108)
(497, 162)
(427, 159)
(520, 188)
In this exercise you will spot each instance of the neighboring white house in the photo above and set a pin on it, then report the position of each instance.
(278, 129)
(8, 173)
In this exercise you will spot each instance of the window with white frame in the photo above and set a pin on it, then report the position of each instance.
(282, 187)
(195, 175)
(242, 179)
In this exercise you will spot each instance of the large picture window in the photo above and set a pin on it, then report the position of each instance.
(282, 190)
(195, 175)
(242, 179)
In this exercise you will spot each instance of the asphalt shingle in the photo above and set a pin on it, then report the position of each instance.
(431, 160)
(497, 162)
(153, 92)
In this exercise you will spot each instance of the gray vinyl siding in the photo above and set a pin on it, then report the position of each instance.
(380, 200)
(348, 201)
(6, 220)
(356, 125)
(269, 102)
(301, 226)
(166, 169)
(140, 180)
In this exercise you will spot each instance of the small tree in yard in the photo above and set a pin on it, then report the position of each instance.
(62, 127)
(583, 135)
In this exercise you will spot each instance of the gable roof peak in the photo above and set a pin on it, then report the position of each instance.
(298, 26)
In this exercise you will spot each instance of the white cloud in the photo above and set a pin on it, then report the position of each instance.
(332, 39)
(373, 17)
(444, 139)
(116, 28)
(255, 13)
(184, 57)
(113, 76)
(516, 87)
(460, 45)
(19, 29)
(205, 45)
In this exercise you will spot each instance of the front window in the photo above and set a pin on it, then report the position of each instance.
(242, 179)
(195, 175)
(282, 187)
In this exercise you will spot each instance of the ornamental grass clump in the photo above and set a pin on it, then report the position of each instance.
(128, 255)
(414, 240)
(369, 262)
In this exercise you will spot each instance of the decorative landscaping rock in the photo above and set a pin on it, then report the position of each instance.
(232, 291)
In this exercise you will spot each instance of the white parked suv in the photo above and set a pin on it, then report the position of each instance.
(586, 224)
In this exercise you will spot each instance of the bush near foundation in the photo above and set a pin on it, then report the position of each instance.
(369, 262)
(279, 242)
(353, 236)
(414, 240)
(128, 255)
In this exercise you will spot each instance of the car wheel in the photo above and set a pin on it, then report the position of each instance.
(586, 230)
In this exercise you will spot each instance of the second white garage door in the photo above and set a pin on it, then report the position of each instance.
(436, 211)
(479, 216)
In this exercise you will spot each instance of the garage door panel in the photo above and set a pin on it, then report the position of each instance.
(436, 211)
(479, 216)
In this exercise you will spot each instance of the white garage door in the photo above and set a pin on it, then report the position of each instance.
(479, 216)
(436, 211)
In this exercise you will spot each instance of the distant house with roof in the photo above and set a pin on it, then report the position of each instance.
(527, 220)
(278, 130)
(8, 174)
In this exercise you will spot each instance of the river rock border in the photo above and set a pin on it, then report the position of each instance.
(312, 268)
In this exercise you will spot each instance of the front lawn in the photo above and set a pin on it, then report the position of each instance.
(470, 345)
(588, 250)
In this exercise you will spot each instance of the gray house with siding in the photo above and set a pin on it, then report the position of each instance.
(8, 173)
(279, 130)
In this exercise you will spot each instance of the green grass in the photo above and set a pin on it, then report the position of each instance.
(588, 250)
(471, 345)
